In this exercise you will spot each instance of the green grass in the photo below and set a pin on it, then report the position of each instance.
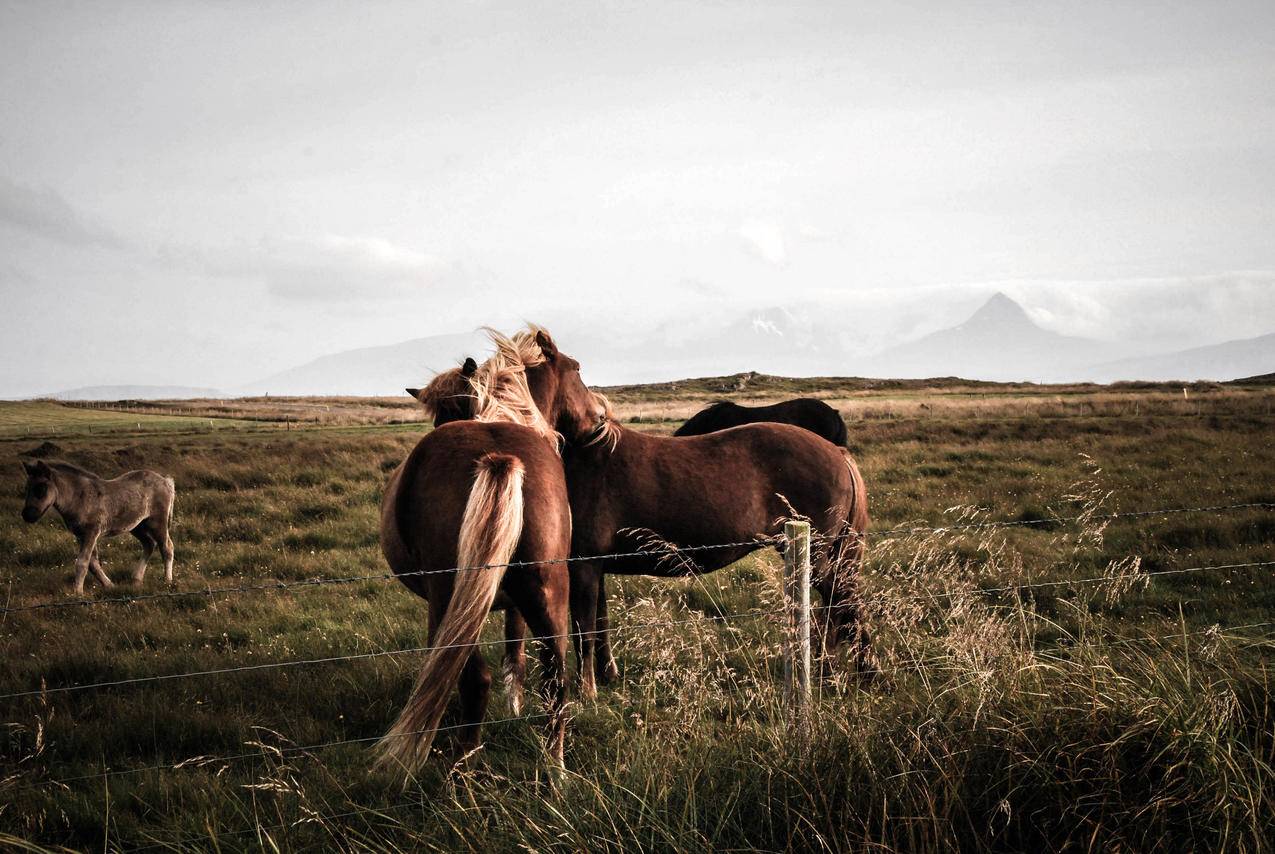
(1064, 717)
(39, 418)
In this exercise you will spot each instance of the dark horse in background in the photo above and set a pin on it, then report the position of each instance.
(472, 497)
(806, 412)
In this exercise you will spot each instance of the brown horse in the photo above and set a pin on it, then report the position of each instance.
(137, 502)
(449, 397)
(733, 486)
(472, 497)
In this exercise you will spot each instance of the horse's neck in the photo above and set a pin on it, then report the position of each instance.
(71, 490)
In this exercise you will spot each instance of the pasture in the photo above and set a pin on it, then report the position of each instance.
(1062, 682)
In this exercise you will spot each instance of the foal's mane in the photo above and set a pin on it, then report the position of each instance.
(500, 385)
(70, 468)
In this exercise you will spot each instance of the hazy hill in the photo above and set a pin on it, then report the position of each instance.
(373, 370)
(1229, 360)
(998, 342)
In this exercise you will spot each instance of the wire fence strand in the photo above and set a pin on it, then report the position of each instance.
(916, 597)
(662, 552)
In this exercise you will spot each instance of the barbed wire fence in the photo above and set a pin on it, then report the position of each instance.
(795, 616)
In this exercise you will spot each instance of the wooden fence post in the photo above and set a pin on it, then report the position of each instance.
(797, 615)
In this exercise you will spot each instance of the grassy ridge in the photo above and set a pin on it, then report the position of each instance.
(1088, 715)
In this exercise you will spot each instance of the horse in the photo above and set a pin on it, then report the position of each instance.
(137, 502)
(446, 398)
(628, 488)
(472, 497)
(814, 415)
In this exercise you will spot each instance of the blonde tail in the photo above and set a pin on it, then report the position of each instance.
(489, 534)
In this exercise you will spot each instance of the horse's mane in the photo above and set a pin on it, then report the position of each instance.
(70, 468)
(611, 430)
(445, 385)
(500, 385)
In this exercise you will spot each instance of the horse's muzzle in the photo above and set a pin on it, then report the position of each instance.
(31, 514)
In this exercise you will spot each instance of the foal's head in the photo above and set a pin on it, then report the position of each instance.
(449, 396)
(41, 490)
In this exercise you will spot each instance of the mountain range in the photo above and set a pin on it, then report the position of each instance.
(999, 341)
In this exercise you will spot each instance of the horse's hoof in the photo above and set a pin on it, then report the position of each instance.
(608, 673)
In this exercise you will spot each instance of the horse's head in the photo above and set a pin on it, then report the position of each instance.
(449, 396)
(577, 413)
(41, 490)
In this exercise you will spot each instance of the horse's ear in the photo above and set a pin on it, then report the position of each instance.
(546, 344)
(469, 368)
(414, 392)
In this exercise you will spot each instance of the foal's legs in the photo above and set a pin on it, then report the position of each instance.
(88, 544)
(607, 671)
(166, 551)
(95, 564)
(147, 539)
(586, 578)
(515, 658)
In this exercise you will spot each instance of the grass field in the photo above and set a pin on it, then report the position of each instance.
(1134, 713)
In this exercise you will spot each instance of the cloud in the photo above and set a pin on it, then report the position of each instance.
(765, 240)
(44, 212)
(328, 268)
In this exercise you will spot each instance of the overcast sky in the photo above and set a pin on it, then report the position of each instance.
(205, 193)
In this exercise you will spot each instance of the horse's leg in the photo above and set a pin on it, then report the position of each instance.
(166, 551)
(475, 693)
(95, 564)
(515, 658)
(88, 543)
(607, 671)
(837, 581)
(585, 580)
(544, 606)
(148, 542)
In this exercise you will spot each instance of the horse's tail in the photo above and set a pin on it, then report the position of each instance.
(170, 498)
(857, 516)
(489, 534)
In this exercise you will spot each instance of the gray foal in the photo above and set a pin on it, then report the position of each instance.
(137, 502)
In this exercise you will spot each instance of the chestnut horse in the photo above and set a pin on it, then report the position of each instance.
(807, 412)
(472, 497)
(449, 397)
(733, 486)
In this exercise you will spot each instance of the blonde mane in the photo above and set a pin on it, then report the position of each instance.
(500, 384)
(610, 432)
(446, 385)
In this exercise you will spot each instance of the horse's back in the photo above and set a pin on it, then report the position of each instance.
(431, 488)
(807, 413)
(739, 478)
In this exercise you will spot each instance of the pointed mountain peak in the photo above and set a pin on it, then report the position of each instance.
(999, 312)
